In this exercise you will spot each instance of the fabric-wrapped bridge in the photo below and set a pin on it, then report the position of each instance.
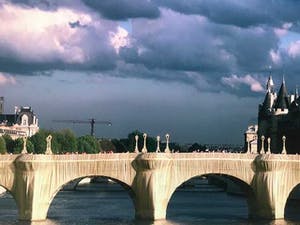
(151, 178)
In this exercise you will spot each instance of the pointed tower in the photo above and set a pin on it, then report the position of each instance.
(266, 112)
(282, 101)
(266, 108)
(270, 85)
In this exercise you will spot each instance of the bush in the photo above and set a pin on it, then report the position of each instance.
(3, 149)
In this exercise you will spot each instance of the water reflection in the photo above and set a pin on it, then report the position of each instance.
(166, 222)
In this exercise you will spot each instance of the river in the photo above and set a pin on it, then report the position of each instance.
(109, 204)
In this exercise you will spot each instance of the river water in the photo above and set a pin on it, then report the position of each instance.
(109, 204)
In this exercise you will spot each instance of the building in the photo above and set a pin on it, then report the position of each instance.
(278, 118)
(23, 123)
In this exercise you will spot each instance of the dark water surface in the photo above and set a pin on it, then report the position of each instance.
(111, 205)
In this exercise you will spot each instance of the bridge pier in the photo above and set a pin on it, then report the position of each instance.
(272, 185)
(152, 191)
(268, 203)
(30, 190)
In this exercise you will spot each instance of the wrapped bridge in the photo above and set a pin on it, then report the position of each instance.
(151, 178)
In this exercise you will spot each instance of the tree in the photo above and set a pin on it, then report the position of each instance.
(68, 142)
(29, 146)
(106, 145)
(119, 145)
(18, 146)
(39, 141)
(9, 143)
(88, 144)
(3, 149)
(56, 145)
(197, 147)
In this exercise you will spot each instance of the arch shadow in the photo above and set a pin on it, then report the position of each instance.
(221, 181)
(9, 208)
(122, 185)
(292, 206)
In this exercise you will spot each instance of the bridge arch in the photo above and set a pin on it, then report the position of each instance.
(125, 186)
(12, 200)
(245, 187)
(291, 206)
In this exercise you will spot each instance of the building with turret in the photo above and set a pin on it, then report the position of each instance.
(278, 118)
(22, 123)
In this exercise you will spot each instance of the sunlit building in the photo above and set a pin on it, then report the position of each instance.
(278, 118)
(22, 123)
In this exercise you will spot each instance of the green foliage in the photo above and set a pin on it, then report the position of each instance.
(3, 149)
(107, 145)
(29, 146)
(68, 143)
(18, 146)
(119, 146)
(88, 144)
(197, 147)
(62, 141)
(39, 141)
(65, 141)
(9, 143)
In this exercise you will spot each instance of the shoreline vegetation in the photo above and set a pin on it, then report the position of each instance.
(65, 141)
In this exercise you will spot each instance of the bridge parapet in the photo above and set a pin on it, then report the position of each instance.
(276, 162)
(152, 161)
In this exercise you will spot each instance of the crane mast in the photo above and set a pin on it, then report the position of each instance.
(92, 122)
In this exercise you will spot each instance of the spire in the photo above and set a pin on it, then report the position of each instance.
(270, 85)
(282, 99)
(267, 104)
(296, 92)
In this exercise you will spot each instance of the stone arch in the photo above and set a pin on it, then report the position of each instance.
(126, 187)
(14, 198)
(294, 192)
(245, 187)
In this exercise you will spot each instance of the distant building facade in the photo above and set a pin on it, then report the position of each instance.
(23, 123)
(278, 116)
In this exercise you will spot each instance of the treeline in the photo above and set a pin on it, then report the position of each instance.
(65, 141)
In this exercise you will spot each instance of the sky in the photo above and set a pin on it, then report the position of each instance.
(195, 69)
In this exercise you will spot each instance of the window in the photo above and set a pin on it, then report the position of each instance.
(25, 120)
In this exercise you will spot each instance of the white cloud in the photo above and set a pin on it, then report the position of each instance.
(119, 39)
(36, 35)
(283, 30)
(275, 56)
(235, 81)
(65, 35)
(7, 79)
(294, 49)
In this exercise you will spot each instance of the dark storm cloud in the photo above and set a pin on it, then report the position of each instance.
(177, 42)
(239, 13)
(110, 9)
(123, 9)
(191, 42)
